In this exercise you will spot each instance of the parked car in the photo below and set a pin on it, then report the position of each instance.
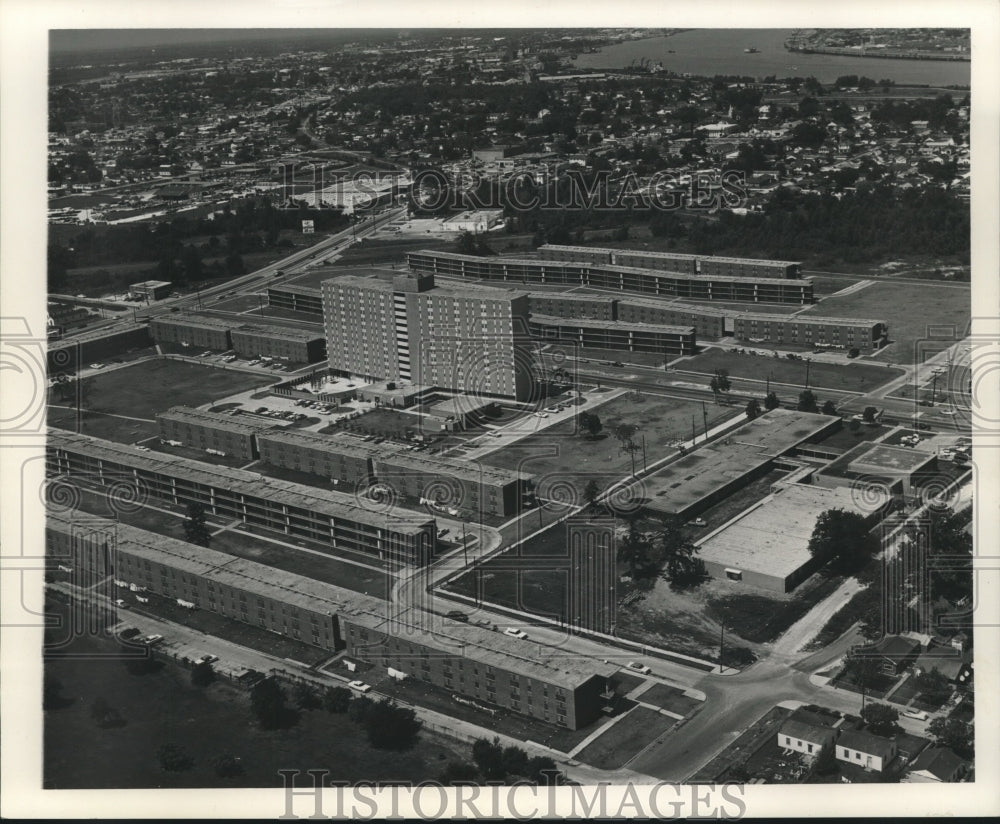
(120, 603)
(97, 366)
(697, 522)
(456, 615)
(360, 686)
(206, 659)
(919, 715)
(635, 666)
(152, 640)
(515, 633)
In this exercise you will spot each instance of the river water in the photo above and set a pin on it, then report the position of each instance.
(709, 52)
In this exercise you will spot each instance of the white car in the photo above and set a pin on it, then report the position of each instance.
(360, 686)
(97, 366)
(919, 715)
(493, 434)
(635, 666)
(121, 604)
(152, 640)
(515, 633)
(206, 659)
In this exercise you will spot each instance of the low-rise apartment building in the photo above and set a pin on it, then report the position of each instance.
(806, 330)
(188, 329)
(603, 334)
(287, 343)
(200, 429)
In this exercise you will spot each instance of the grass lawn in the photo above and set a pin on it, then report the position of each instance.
(625, 739)
(908, 308)
(669, 698)
(759, 618)
(208, 723)
(143, 389)
(100, 425)
(236, 304)
(564, 461)
(853, 377)
(828, 284)
(289, 314)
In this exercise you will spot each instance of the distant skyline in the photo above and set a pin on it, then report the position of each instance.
(79, 40)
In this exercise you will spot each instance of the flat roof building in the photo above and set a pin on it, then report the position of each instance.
(284, 342)
(767, 546)
(335, 520)
(201, 429)
(897, 468)
(279, 601)
(151, 289)
(296, 298)
(606, 334)
(188, 329)
(513, 674)
(473, 340)
(812, 330)
(675, 262)
(705, 475)
(609, 276)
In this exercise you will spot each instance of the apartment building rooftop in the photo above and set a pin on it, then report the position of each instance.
(328, 502)
(592, 323)
(219, 420)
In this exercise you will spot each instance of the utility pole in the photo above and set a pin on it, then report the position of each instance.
(704, 415)
(465, 545)
(694, 437)
(934, 390)
(808, 361)
(722, 646)
(643, 453)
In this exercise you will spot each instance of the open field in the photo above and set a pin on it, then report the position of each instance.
(625, 739)
(208, 723)
(239, 303)
(146, 388)
(849, 377)
(908, 308)
(824, 285)
(100, 425)
(565, 460)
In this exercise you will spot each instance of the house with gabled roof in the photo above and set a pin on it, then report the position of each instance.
(936, 765)
(863, 749)
(803, 737)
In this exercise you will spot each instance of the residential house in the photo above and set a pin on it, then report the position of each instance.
(865, 750)
(895, 653)
(935, 765)
(803, 737)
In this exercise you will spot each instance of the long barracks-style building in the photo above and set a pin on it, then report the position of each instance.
(467, 660)
(609, 276)
(651, 338)
(200, 429)
(675, 262)
(332, 519)
(468, 487)
(283, 602)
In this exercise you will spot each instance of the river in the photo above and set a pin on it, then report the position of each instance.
(708, 52)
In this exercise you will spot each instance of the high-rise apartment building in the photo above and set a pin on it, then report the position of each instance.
(470, 339)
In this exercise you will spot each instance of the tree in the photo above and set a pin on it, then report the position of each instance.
(753, 409)
(625, 433)
(514, 761)
(864, 669)
(391, 727)
(681, 568)
(934, 685)
(589, 424)
(337, 699)
(880, 718)
(306, 697)
(195, 528)
(807, 402)
(842, 536)
(771, 401)
(633, 548)
(228, 766)
(853, 352)
(488, 756)
(359, 707)
(543, 771)
(954, 733)
(590, 493)
(173, 759)
(202, 675)
(235, 265)
(869, 414)
(826, 760)
(267, 700)
(720, 383)
(829, 408)
(458, 772)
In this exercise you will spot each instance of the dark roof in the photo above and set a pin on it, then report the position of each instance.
(947, 661)
(910, 745)
(938, 761)
(867, 743)
(894, 646)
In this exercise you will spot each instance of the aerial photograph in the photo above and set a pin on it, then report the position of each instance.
(548, 406)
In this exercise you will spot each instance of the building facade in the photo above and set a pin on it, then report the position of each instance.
(334, 521)
(306, 299)
(609, 276)
(285, 343)
(632, 337)
(675, 262)
(506, 673)
(151, 289)
(803, 330)
(472, 340)
(200, 429)
(192, 330)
